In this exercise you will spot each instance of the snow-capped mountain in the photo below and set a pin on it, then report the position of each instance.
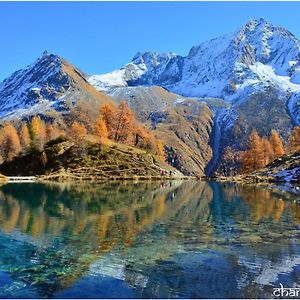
(50, 83)
(255, 57)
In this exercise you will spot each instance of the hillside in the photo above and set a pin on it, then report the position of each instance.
(63, 160)
(185, 130)
(144, 100)
(183, 125)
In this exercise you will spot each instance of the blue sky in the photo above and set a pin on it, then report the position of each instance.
(101, 36)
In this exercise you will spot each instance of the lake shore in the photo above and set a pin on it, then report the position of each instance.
(64, 176)
(69, 177)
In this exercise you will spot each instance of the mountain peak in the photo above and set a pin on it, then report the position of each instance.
(256, 24)
(44, 79)
(258, 21)
(45, 53)
(50, 83)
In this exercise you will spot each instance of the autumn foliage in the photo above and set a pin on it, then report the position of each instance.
(100, 128)
(260, 152)
(277, 144)
(120, 125)
(38, 131)
(25, 137)
(30, 135)
(115, 123)
(10, 142)
(294, 140)
(78, 131)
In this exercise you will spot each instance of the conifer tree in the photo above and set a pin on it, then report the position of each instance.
(53, 132)
(294, 140)
(10, 142)
(124, 122)
(25, 137)
(268, 153)
(252, 159)
(108, 114)
(276, 143)
(100, 128)
(140, 136)
(38, 131)
(78, 131)
(160, 150)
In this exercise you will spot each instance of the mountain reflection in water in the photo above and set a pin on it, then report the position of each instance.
(185, 239)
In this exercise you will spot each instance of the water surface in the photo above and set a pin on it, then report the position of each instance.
(183, 239)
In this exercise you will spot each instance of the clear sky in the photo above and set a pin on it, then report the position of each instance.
(101, 36)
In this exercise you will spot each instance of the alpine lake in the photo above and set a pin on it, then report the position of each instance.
(173, 239)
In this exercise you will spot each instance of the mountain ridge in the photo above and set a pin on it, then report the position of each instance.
(226, 67)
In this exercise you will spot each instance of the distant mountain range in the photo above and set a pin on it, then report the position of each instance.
(239, 81)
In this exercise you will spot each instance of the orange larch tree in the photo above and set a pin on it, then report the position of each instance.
(294, 140)
(25, 137)
(38, 131)
(108, 114)
(277, 144)
(160, 150)
(122, 127)
(141, 136)
(252, 159)
(124, 122)
(53, 132)
(78, 131)
(100, 128)
(267, 148)
(10, 142)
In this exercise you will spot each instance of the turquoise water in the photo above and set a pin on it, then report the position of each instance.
(184, 239)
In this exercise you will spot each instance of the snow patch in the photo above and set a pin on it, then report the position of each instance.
(107, 81)
(289, 175)
(266, 74)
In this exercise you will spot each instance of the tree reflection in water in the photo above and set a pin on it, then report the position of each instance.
(171, 239)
